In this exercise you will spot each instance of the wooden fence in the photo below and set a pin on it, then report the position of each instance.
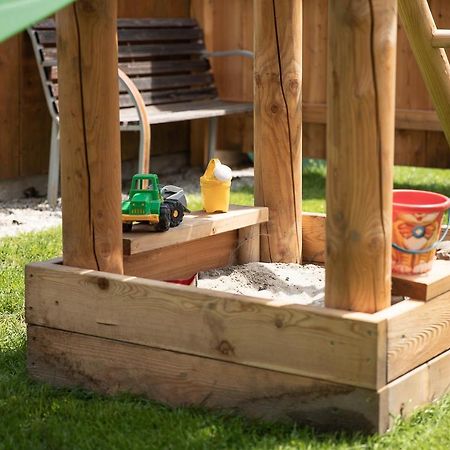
(25, 122)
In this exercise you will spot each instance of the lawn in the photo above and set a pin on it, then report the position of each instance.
(37, 416)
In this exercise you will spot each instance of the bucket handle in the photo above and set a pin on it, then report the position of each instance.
(431, 247)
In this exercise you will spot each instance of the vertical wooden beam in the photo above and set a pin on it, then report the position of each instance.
(203, 12)
(419, 26)
(10, 66)
(90, 140)
(249, 244)
(360, 140)
(278, 126)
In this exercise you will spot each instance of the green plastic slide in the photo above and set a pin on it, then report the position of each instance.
(16, 15)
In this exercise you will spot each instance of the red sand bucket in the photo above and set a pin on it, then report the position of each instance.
(417, 221)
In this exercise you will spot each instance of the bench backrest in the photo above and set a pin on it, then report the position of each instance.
(164, 58)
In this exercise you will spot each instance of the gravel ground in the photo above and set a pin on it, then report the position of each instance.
(34, 214)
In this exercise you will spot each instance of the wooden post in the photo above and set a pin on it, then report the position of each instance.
(203, 12)
(249, 244)
(420, 28)
(278, 126)
(360, 148)
(90, 139)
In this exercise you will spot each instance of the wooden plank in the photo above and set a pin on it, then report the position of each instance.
(248, 249)
(89, 108)
(177, 9)
(422, 386)
(139, 68)
(405, 119)
(34, 121)
(173, 81)
(48, 37)
(245, 330)
(175, 112)
(195, 225)
(419, 25)
(203, 12)
(278, 126)
(171, 84)
(10, 111)
(184, 96)
(141, 51)
(417, 334)
(313, 237)
(360, 138)
(185, 259)
(425, 286)
(110, 367)
(49, 24)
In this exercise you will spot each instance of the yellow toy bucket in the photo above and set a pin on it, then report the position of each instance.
(215, 193)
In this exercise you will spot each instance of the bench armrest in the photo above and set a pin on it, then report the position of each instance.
(145, 133)
(237, 52)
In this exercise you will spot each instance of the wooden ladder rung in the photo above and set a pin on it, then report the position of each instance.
(441, 39)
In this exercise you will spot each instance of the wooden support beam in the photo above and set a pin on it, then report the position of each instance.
(360, 145)
(419, 26)
(90, 139)
(278, 126)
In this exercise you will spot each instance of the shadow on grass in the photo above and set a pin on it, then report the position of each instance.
(37, 416)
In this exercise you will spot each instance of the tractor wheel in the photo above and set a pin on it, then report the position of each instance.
(176, 213)
(127, 227)
(164, 218)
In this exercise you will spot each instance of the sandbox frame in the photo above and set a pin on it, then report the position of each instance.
(102, 319)
(189, 346)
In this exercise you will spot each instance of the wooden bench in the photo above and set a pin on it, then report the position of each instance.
(165, 60)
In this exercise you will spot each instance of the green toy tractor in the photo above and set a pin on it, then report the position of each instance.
(147, 203)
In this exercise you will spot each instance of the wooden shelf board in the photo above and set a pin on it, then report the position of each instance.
(196, 225)
(425, 286)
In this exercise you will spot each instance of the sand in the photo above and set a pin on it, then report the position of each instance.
(286, 283)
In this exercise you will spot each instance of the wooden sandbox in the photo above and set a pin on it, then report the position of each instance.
(189, 346)
(102, 318)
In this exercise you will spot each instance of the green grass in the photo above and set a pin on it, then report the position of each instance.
(37, 416)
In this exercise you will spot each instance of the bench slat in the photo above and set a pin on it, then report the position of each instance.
(139, 51)
(170, 96)
(178, 112)
(162, 82)
(143, 68)
(48, 37)
(174, 81)
(175, 22)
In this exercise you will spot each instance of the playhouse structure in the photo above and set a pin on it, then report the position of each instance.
(102, 318)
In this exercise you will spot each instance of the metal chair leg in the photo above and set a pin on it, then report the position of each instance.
(53, 167)
(212, 138)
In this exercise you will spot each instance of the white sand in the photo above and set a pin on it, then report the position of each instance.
(289, 283)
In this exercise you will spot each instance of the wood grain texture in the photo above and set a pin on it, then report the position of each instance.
(250, 331)
(360, 140)
(195, 225)
(419, 26)
(184, 259)
(425, 286)
(424, 385)
(90, 137)
(278, 126)
(9, 110)
(248, 249)
(313, 237)
(417, 334)
(110, 367)
(34, 119)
